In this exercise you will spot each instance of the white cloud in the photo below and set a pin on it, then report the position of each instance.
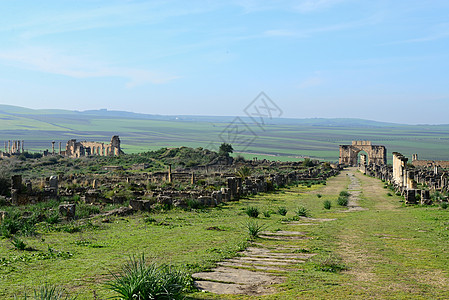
(50, 61)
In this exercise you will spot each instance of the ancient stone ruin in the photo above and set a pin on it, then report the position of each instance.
(12, 148)
(349, 153)
(76, 149)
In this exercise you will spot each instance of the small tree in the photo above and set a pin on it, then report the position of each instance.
(225, 150)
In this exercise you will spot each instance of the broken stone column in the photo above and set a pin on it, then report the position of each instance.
(410, 196)
(411, 183)
(425, 197)
(53, 182)
(169, 173)
(67, 210)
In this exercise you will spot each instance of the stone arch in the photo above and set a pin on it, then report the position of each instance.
(376, 154)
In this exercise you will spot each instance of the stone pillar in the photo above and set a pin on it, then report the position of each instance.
(60, 148)
(425, 197)
(192, 180)
(53, 148)
(410, 196)
(23, 146)
(9, 147)
(411, 183)
(6, 147)
(169, 174)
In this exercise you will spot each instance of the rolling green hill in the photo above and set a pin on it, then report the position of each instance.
(283, 138)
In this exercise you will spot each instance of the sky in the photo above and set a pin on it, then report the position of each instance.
(377, 60)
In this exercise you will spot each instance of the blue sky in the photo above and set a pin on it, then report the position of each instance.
(377, 60)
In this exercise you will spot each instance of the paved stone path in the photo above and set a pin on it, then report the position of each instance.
(354, 190)
(259, 266)
(257, 269)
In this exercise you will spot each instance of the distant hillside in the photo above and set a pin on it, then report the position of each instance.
(280, 138)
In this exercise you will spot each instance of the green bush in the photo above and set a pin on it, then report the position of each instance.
(444, 205)
(319, 195)
(344, 194)
(254, 228)
(144, 282)
(342, 201)
(18, 243)
(194, 203)
(327, 204)
(302, 212)
(267, 213)
(282, 210)
(252, 211)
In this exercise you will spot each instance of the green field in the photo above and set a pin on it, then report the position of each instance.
(283, 139)
(386, 250)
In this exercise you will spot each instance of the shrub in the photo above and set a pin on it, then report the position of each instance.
(444, 205)
(254, 228)
(267, 213)
(18, 244)
(141, 281)
(252, 211)
(319, 195)
(282, 210)
(342, 201)
(327, 204)
(344, 194)
(302, 212)
(389, 194)
(193, 203)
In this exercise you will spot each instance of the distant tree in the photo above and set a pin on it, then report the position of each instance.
(225, 149)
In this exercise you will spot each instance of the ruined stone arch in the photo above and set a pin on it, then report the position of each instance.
(376, 154)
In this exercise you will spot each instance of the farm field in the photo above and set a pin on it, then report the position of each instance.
(283, 139)
(376, 248)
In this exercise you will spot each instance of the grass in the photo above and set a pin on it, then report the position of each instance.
(145, 281)
(252, 211)
(302, 212)
(318, 138)
(398, 254)
(48, 292)
(282, 210)
(254, 228)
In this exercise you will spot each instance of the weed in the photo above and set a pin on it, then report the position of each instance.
(330, 263)
(49, 292)
(282, 210)
(319, 195)
(252, 211)
(141, 281)
(302, 212)
(254, 228)
(327, 204)
(267, 213)
(344, 194)
(342, 201)
(18, 243)
(193, 204)
(389, 194)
